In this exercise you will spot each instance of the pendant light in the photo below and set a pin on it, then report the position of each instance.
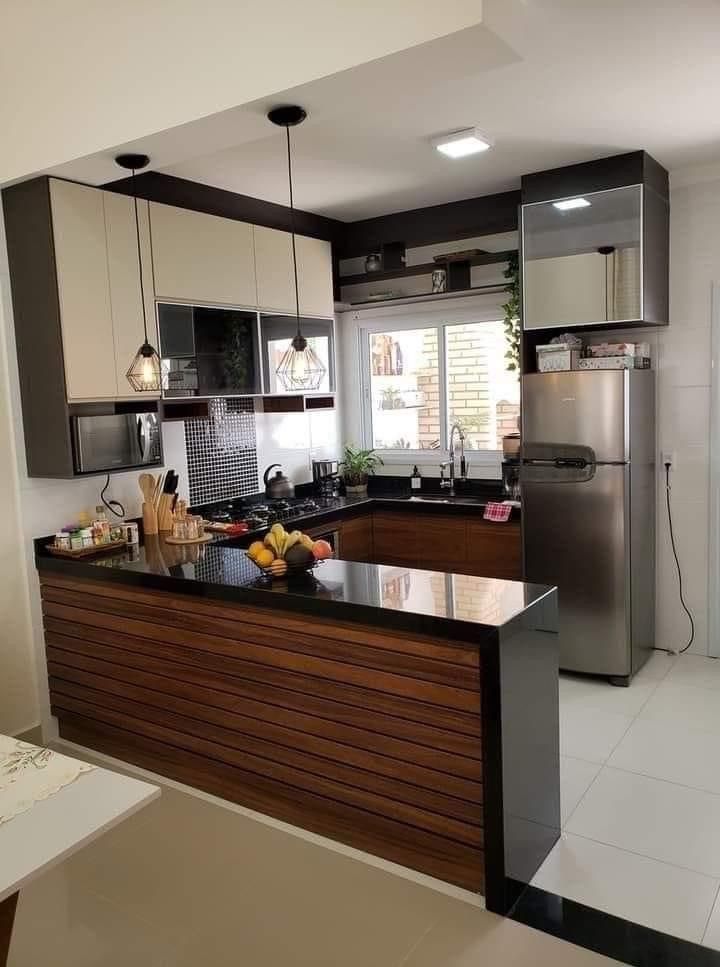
(144, 374)
(300, 368)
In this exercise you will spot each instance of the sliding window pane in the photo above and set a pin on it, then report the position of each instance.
(483, 394)
(405, 391)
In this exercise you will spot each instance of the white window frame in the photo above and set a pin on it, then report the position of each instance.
(441, 316)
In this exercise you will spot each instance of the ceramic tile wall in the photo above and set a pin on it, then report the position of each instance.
(294, 440)
(221, 456)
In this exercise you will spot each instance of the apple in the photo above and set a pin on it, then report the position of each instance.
(321, 550)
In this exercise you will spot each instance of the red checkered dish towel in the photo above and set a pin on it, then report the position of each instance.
(497, 512)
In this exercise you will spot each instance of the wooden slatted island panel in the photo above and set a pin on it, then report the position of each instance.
(383, 738)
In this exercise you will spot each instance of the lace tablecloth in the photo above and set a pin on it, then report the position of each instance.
(29, 773)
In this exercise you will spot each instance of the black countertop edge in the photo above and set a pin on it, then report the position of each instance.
(631, 943)
(303, 594)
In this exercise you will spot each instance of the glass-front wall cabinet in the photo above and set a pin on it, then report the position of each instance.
(582, 259)
(208, 351)
(276, 334)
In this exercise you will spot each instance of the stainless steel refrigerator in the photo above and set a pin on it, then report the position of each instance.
(588, 512)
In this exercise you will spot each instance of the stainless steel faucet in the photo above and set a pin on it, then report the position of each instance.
(449, 484)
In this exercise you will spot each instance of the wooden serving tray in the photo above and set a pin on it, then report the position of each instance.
(195, 540)
(86, 551)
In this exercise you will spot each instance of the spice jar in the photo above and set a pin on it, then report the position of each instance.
(86, 536)
(62, 541)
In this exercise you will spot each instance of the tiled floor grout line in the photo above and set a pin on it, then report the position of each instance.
(418, 943)
(632, 852)
(712, 910)
(669, 782)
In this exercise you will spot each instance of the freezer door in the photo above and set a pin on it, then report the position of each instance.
(587, 408)
(576, 536)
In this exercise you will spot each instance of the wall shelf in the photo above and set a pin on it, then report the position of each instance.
(424, 268)
(422, 297)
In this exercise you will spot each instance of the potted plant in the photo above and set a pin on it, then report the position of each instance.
(357, 465)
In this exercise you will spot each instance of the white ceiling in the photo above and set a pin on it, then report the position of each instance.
(551, 81)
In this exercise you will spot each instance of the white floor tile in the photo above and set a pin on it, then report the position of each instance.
(697, 670)
(657, 819)
(590, 733)
(576, 776)
(684, 707)
(599, 693)
(687, 756)
(655, 668)
(634, 887)
(712, 934)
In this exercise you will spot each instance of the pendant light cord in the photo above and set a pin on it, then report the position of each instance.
(292, 231)
(140, 271)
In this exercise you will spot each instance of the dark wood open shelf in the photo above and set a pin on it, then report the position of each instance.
(424, 268)
(500, 286)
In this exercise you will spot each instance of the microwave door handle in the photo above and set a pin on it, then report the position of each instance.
(141, 438)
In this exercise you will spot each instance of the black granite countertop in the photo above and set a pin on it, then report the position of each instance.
(449, 605)
(340, 508)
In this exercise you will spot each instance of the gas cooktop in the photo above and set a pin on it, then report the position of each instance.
(260, 514)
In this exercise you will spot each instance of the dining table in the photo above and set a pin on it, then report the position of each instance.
(51, 806)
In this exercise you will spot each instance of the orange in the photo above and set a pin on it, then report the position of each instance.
(255, 548)
(265, 557)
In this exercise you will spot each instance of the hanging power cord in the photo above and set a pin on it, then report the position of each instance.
(677, 559)
(114, 506)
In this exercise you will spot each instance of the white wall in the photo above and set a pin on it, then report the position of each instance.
(123, 71)
(294, 440)
(683, 398)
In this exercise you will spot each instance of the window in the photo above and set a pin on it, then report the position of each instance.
(420, 380)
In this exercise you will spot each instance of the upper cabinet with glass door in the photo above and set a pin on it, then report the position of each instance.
(276, 334)
(582, 260)
(595, 243)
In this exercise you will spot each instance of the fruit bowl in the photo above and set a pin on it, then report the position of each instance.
(281, 554)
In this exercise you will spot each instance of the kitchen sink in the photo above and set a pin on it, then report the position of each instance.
(446, 499)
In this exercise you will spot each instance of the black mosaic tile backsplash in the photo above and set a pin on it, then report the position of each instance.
(221, 451)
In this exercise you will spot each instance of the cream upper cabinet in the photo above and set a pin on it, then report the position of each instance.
(559, 291)
(202, 258)
(84, 290)
(274, 269)
(125, 304)
(314, 256)
(275, 278)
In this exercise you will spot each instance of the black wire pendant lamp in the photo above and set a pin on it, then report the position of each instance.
(300, 367)
(144, 374)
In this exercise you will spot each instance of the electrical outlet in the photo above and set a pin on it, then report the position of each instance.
(668, 456)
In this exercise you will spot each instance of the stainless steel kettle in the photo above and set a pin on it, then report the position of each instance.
(278, 485)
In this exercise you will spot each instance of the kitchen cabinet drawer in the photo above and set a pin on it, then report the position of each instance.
(395, 538)
(442, 542)
(78, 225)
(356, 539)
(494, 550)
(202, 258)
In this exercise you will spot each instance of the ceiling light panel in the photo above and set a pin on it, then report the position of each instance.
(460, 144)
(567, 204)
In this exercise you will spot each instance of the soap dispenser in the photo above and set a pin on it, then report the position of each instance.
(415, 479)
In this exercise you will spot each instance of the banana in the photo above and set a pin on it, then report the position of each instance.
(292, 539)
(272, 542)
(306, 541)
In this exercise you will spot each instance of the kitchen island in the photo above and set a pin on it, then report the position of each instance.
(410, 714)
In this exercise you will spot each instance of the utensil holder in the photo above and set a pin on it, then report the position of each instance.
(150, 519)
(164, 512)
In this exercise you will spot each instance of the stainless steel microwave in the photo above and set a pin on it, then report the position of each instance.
(118, 441)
